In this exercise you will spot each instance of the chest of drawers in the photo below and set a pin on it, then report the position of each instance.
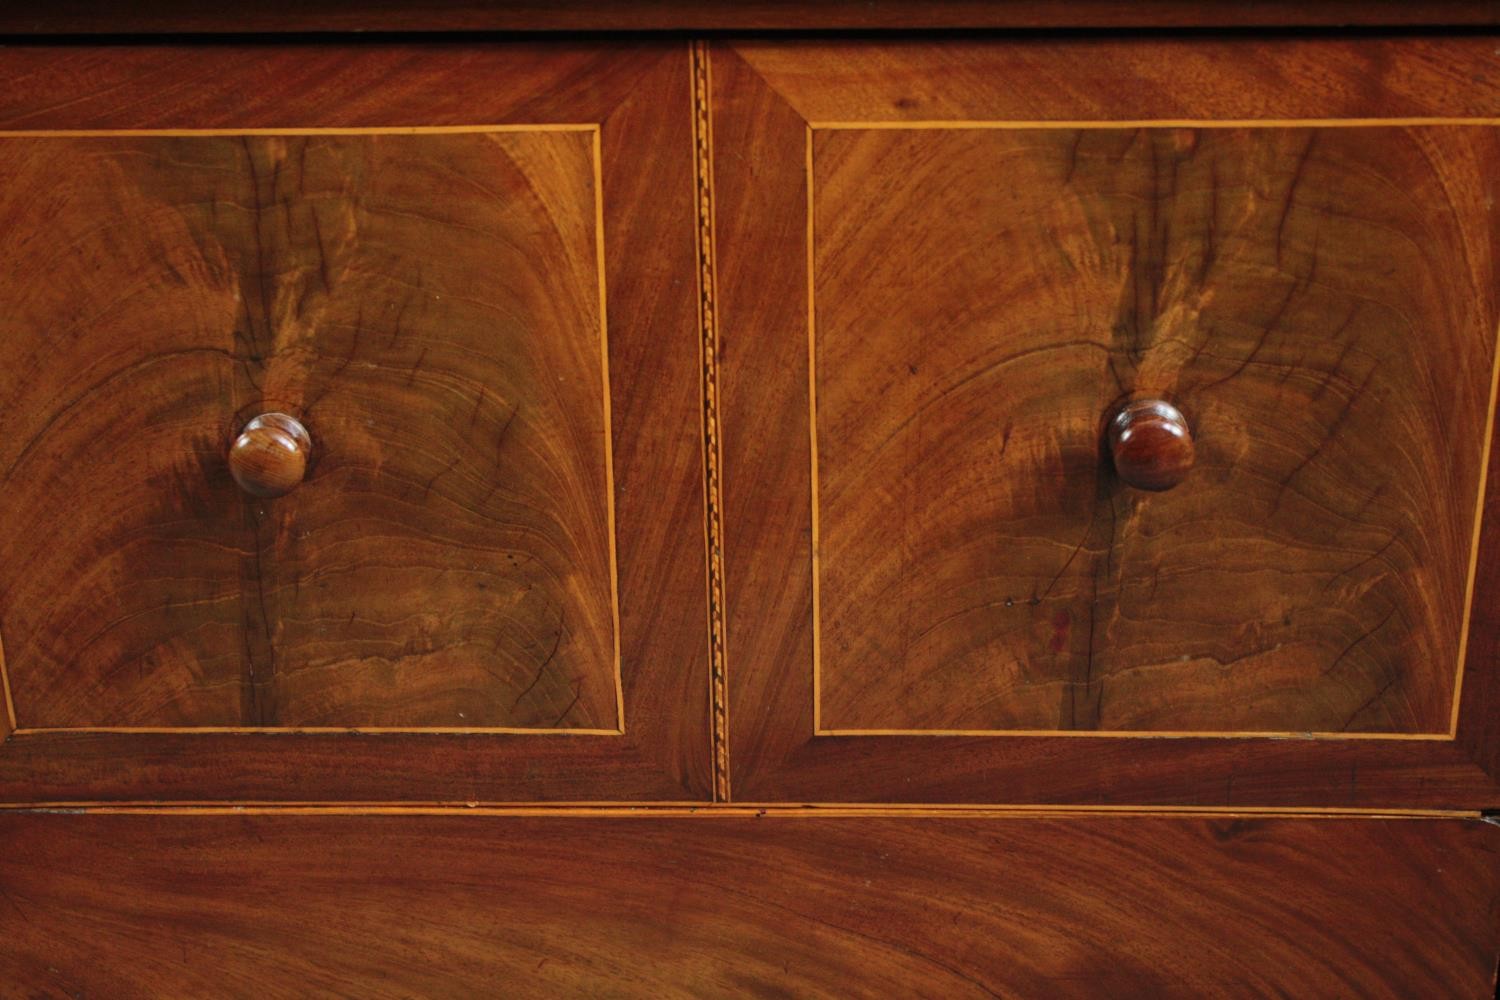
(714, 509)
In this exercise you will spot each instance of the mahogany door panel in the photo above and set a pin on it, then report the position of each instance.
(492, 527)
(954, 574)
(447, 560)
(730, 904)
(1315, 301)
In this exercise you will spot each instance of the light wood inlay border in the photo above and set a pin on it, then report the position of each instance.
(713, 455)
(1484, 474)
(28, 731)
(612, 537)
(10, 705)
(597, 168)
(85, 133)
(1151, 734)
(812, 443)
(1128, 123)
(755, 810)
(1186, 123)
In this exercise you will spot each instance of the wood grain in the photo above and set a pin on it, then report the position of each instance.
(937, 98)
(1148, 77)
(449, 560)
(92, 16)
(1318, 300)
(396, 906)
(401, 293)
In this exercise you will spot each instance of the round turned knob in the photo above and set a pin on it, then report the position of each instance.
(270, 456)
(1151, 445)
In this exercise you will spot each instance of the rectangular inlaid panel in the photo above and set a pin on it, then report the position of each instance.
(732, 906)
(430, 305)
(1318, 302)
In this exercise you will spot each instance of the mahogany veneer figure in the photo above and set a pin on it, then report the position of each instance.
(794, 515)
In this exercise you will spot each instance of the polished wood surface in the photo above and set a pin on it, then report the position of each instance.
(1150, 445)
(449, 563)
(870, 124)
(399, 906)
(89, 16)
(432, 304)
(1147, 76)
(1320, 299)
(270, 455)
(829, 258)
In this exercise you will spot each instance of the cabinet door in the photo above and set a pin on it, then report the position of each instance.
(946, 268)
(467, 272)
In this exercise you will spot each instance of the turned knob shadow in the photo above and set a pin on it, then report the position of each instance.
(1150, 444)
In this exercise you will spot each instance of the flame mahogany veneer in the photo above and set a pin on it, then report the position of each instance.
(720, 906)
(646, 516)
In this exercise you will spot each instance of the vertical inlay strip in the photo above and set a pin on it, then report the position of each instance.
(703, 161)
(8, 722)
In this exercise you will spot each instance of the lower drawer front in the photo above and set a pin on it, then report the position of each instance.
(732, 905)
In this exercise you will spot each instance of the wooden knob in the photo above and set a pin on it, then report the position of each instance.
(1151, 444)
(270, 456)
